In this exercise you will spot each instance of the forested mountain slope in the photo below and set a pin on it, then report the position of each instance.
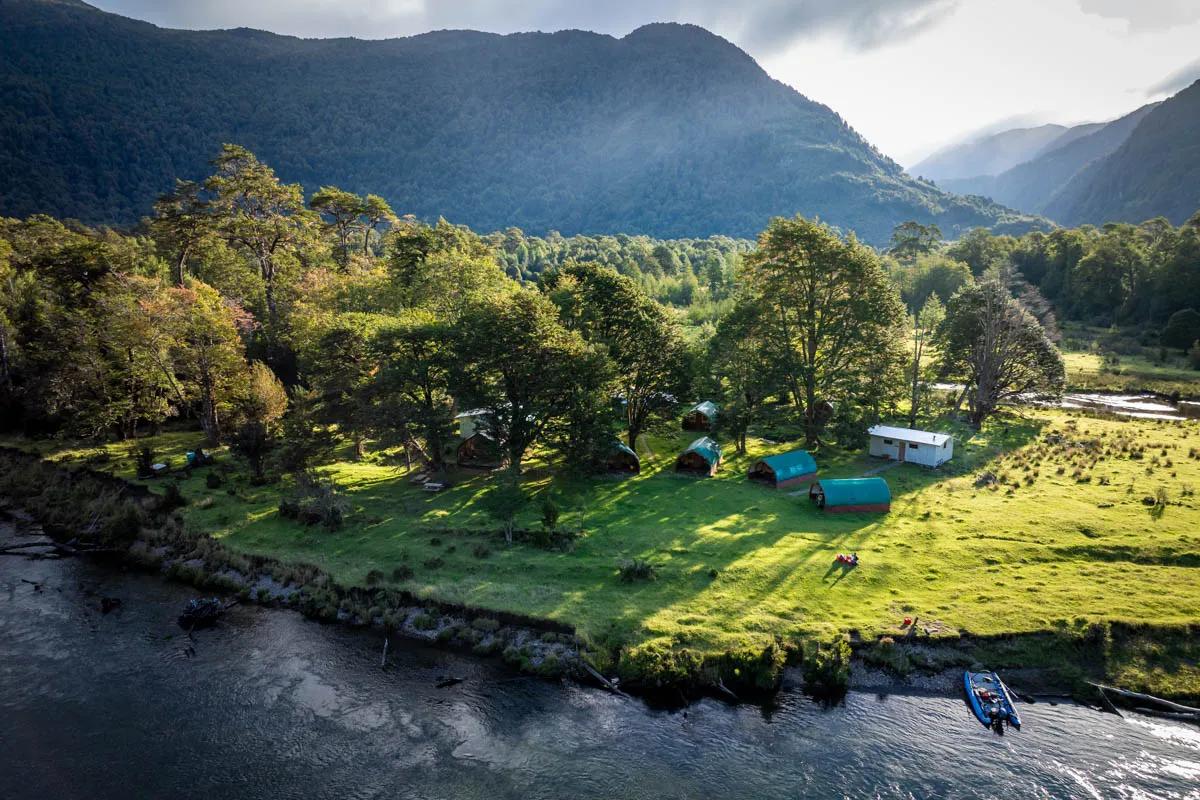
(670, 131)
(1156, 172)
(995, 153)
(1033, 185)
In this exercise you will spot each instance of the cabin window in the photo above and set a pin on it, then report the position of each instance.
(888, 441)
(913, 446)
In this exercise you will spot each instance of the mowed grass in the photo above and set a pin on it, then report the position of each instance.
(1063, 537)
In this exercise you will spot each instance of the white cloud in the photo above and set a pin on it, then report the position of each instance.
(1145, 15)
(1178, 80)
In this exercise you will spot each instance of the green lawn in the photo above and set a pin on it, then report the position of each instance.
(1065, 537)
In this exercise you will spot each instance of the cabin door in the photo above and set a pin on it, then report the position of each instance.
(903, 447)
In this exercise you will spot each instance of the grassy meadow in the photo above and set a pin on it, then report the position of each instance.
(1063, 536)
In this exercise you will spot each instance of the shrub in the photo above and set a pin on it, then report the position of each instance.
(424, 621)
(212, 480)
(481, 551)
(550, 513)
(656, 662)
(315, 501)
(143, 458)
(486, 624)
(433, 563)
(374, 577)
(402, 573)
(827, 667)
(172, 499)
(636, 569)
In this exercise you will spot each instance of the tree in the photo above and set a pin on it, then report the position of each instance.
(342, 213)
(925, 324)
(181, 223)
(516, 360)
(208, 352)
(503, 501)
(997, 349)
(341, 367)
(981, 250)
(260, 409)
(645, 345)
(911, 239)
(376, 213)
(415, 354)
(934, 274)
(829, 310)
(256, 213)
(1183, 328)
(744, 367)
(443, 267)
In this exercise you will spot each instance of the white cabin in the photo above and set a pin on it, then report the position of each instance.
(911, 446)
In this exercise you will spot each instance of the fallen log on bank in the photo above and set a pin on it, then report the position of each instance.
(605, 682)
(1149, 704)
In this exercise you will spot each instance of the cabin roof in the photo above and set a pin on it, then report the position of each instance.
(855, 491)
(620, 447)
(706, 407)
(910, 435)
(706, 448)
(791, 465)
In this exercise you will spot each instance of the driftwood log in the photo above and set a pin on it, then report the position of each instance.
(1149, 704)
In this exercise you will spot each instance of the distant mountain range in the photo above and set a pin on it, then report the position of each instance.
(669, 131)
(1142, 165)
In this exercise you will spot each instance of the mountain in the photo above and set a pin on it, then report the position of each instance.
(995, 153)
(1033, 185)
(1155, 172)
(669, 131)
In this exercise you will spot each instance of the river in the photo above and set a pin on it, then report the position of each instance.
(270, 705)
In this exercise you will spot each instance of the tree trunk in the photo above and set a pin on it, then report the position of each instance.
(208, 414)
(359, 450)
(5, 375)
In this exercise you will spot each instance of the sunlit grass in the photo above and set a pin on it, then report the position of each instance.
(1063, 535)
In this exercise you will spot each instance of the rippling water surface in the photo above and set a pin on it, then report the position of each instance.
(271, 705)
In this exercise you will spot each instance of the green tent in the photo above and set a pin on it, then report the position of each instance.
(851, 494)
(785, 469)
(702, 457)
(622, 459)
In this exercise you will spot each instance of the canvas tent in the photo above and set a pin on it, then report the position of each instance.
(702, 457)
(911, 446)
(851, 494)
(785, 470)
(701, 417)
(622, 459)
(479, 450)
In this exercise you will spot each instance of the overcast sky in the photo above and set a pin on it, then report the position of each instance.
(910, 75)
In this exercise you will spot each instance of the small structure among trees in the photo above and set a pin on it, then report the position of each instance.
(479, 450)
(702, 457)
(911, 446)
(622, 460)
(848, 495)
(785, 470)
(701, 417)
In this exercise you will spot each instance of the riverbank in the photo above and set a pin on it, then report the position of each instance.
(1033, 549)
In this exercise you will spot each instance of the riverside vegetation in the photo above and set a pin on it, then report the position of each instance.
(318, 349)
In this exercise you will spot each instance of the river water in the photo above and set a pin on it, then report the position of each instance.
(270, 705)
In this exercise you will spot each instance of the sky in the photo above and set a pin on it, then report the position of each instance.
(910, 75)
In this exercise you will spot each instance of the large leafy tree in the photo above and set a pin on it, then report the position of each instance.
(415, 354)
(644, 343)
(829, 314)
(208, 354)
(264, 218)
(744, 367)
(911, 239)
(997, 349)
(925, 324)
(517, 360)
(443, 267)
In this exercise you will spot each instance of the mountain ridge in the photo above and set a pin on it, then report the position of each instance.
(670, 130)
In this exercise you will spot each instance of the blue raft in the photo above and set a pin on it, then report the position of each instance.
(990, 700)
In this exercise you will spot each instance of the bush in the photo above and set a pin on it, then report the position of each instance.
(827, 667)
(636, 569)
(656, 662)
(1183, 328)
(481, 551)
(424, 621)
(402, 573)
(315, 501)
(172, 499)
(486, 624)
(374, 577)
(143, 458)
(212, 480)
(550, 513)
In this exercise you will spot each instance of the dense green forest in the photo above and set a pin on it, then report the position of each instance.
(267, 316)
(669, 131)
